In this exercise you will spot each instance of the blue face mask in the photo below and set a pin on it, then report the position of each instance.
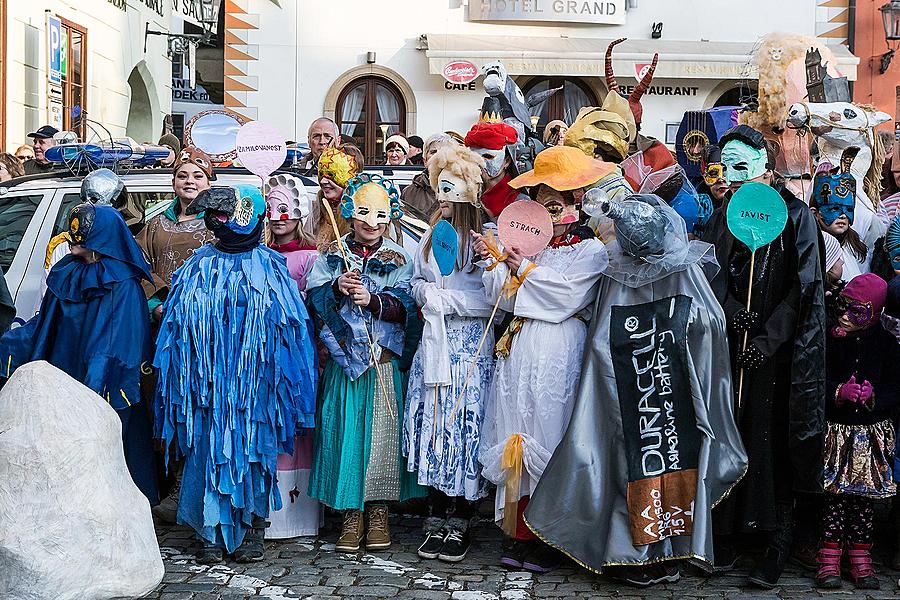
(834, 195)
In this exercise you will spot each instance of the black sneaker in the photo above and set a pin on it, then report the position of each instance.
(209, 555)
(434, 541)
(513, 553)
(726, 557)
(645, 575)
(541, 558)
(456, 545)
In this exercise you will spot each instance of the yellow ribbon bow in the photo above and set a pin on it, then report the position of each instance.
(511, 462)
(515, 282)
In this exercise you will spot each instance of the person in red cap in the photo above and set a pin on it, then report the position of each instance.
(490, 141)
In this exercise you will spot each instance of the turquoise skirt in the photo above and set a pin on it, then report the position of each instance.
(357, 451)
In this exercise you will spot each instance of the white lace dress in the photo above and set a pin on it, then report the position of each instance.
(533, 390)
(441, 445)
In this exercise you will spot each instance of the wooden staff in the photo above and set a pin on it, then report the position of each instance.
(337, 235)
(744, 344)
(477, 353)
(437, 397)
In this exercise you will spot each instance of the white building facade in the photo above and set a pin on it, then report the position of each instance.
(376, 67)
(85, 66)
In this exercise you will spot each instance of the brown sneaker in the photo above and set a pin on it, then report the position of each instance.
(351, 532)
(378, 537)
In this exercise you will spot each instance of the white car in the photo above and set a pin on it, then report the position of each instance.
(33, 209)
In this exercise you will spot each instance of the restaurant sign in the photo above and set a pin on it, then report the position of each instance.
(610, 12)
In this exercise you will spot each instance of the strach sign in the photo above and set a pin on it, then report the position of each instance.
(460, 72)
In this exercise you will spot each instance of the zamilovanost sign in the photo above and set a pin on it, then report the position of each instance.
(611, 12)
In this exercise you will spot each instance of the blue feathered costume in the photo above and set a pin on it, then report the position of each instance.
(93, 325)
(237, 372)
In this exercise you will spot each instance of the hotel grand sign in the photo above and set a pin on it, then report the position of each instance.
(610, 12)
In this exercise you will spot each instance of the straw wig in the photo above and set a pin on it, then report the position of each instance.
(462, 162)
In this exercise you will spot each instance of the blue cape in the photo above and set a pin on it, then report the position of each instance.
(93, 319)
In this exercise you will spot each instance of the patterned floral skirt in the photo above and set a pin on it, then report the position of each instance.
(859, 459)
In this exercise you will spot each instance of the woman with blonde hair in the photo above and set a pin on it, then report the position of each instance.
(441, 439)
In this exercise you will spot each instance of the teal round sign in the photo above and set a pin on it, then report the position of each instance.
(445, 246)
(756, 215)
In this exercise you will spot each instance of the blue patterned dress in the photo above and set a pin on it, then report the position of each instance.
(441, 445)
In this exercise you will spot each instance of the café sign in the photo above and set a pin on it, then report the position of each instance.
(460, 71)
(610, 12)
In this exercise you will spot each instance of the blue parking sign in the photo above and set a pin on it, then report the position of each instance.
(54, 48)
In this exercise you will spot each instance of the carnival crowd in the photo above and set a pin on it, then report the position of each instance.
(330, 367)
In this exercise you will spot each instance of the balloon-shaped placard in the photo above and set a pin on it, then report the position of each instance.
(525, 225)
(756, 215)
(260, 148)
(445, 246)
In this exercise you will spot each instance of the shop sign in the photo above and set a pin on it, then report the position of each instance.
(189, 10)
(155, 5)
(640, 69)
(460, 86)
(610, 12)
(182, 92)
(460, 71)
(663, 90)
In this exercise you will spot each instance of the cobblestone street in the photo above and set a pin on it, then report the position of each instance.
(312, 570)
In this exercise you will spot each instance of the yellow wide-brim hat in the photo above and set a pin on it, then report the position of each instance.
(563, 168)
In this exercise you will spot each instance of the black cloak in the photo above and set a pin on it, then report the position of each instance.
(782, 417)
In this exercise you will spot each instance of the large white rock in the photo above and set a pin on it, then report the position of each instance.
(72, 523)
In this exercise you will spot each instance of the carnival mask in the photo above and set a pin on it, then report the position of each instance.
(834, 195)
(81, 221)
(564, 207)
(493, 160)
(198, 158)
(286, 198)
(337, 166)
(452, 188)
(834, 191)
(743, 162)
(641, 229)
(713, 173)
(860, 303)
(371, 199)
(237, 208)
(858, 313)
(102, 187)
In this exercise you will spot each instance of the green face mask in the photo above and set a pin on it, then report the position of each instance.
(743, 162)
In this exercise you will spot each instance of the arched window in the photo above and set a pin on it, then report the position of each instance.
(742, 94)
(369, 110)
(564, 104)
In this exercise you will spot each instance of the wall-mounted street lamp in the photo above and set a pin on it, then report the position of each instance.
(179, 43)
(890, 15)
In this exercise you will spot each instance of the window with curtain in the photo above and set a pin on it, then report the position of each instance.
(370, 110)
(564, 104)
